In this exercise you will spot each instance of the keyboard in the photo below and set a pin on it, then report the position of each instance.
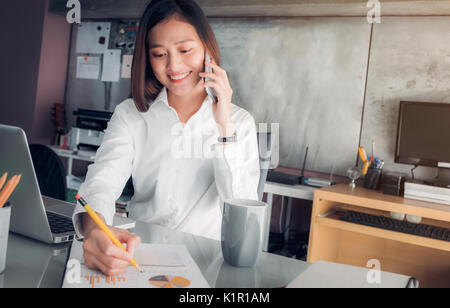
(60, 224)
(388, 223)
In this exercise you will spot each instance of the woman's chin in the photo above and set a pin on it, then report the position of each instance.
(188, 89)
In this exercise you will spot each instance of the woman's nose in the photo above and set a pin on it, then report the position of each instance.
(173, 63)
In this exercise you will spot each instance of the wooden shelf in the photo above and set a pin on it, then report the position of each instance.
(376, 200)
(334, 222)
(334, 240)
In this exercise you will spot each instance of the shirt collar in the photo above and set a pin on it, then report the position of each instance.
(162, 97)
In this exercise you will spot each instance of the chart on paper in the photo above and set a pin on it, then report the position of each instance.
(165, 266)
(168, 281)
(97, 280)
(102, 280)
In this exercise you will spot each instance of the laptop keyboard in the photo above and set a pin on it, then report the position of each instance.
(60, 224)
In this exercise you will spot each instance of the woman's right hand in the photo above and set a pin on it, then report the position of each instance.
(100, 253)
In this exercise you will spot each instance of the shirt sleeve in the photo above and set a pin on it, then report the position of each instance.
(236, 165)
(111, 170)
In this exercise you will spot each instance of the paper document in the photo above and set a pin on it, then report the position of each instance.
(93, 37)
(127, 61)
(165, 266)
(111, 65)
(88, 67)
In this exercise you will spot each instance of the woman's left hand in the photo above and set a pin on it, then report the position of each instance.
(222, 109)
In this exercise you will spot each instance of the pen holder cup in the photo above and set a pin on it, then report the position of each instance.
(5, 214)
(372, 180)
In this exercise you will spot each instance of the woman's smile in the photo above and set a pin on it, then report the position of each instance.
(178, 78)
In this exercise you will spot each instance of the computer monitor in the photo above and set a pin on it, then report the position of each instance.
(423, 134)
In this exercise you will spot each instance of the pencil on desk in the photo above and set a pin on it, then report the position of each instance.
(8, 189)
(105, 228)
(3, 179)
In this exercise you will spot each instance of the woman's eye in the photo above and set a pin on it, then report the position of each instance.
(158, 55)
(186, 50)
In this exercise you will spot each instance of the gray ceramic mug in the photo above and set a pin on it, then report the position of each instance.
(242, 231)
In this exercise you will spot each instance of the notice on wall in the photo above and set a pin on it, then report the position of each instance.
(111, 65)
(93, 37)
(88, 67)
(127, 61)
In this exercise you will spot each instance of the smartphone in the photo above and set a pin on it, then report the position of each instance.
(210, 91)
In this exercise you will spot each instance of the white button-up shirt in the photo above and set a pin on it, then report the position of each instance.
(181, 175)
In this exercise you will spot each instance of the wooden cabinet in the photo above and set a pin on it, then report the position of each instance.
(332, 239)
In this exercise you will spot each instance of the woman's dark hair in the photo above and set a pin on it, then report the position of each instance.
(144, 84)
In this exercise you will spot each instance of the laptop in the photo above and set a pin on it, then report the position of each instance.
(33, 215)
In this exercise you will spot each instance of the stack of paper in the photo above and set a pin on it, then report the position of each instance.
(427, 193)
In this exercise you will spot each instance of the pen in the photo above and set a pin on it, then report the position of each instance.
(365, 167)
(105, 229)
(373, 148)
(362, 154)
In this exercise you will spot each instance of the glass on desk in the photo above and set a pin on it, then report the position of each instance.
(353, 173)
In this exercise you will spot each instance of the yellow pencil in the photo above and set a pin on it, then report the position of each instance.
(105, 228)
(362, 154)
(3, 179)
(8, 189)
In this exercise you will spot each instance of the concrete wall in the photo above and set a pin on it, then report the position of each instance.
(309, 75)
(409, 60)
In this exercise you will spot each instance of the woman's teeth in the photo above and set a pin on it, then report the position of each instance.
(179, 77)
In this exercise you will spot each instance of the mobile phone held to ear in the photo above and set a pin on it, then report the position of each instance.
(210, 91)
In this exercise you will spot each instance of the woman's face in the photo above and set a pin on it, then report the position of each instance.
(176, 55)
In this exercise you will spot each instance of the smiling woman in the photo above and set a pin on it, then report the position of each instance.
(175, 185)
(194, 37)
(176, 57)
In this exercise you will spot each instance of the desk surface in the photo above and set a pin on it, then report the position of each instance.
(33, 264)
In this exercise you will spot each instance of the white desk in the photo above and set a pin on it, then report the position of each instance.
(291, 191)
(30, 263)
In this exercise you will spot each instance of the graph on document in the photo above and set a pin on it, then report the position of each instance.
(104, 281)
(165, 266)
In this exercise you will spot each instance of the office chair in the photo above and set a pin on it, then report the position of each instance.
(265, 155)
(50, 171)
